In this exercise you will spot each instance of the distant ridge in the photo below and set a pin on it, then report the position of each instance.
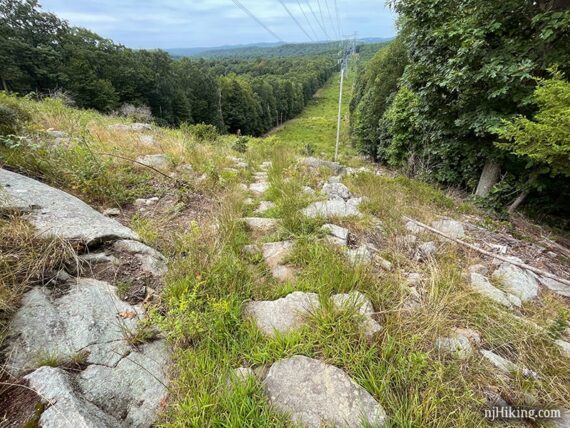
(267, 49)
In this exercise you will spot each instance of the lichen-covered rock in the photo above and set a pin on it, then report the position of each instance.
(336, 191)
(315, 163)
(517, 281)
(333, 208)
(158, 161)
(316, 394)
(481, 284)
(506, 366)
(451, 228)
(56, 213)
(335, 231)
(458, 343)
(264, 206)
(555, 286)
(282, 315)
(260, 224)
(359, 302)
(259, 188)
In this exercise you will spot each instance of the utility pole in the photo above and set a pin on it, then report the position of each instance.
(339, 111)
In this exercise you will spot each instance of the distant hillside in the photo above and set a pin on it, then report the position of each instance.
(268, 50)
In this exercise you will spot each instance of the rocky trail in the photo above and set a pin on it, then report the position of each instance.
(298, 291)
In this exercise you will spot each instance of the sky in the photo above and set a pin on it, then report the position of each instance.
(204, 23)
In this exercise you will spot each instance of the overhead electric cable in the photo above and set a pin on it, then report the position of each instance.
(308, 20)
(256, 19)
(322, 18)
(333, 24)
(295, 19)
(338, 21)
(317, 19)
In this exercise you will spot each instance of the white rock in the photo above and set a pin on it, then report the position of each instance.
(275, 253)
(333, 208)
(259, 188)
(505, 365)
(413, 279)
(158, 161)
(412, 227)
(315, 163)
(360, 255)
(482, 285)
(426, 251)
(308, 190)
(259, 224)
(316, 394)
(336, 191)
(451, 228)
(555, 286)
(264, 206)
(480, 269)
(112, 212)
(564, 347)
(384, 264)
(241, 375)
(359, 302)
(517, 281)
(56, 213)
(283, 273)
(282, 315)
(336, 231)
(456, 344)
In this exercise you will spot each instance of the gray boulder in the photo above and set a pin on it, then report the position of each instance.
(56, 213)
(315, 163)
(151, 260)
(517, 281)
(336, 191)
(158, 161)
(482, 285)
(555, 286)
(333, 208)
(505, 366)
(451, 228)
(282, 315)
(316, 394)
(87, 318)
(338, 232)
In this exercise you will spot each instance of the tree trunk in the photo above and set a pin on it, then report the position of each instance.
(4, 84)
(489, 177)
(518, 201)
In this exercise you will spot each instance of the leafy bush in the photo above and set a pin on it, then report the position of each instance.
(240, 144)
(13, 117)
(201, 131)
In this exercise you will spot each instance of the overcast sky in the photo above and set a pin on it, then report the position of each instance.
(197, 23)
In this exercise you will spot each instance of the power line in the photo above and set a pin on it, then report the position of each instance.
(295, 19)
(308, 20)
(335, 30)
(338, 22)
(256, 19)
(322, 18)
(324, 30)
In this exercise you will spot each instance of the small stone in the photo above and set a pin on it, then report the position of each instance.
(151, 260)
(337, 242)
(457, 344)
(248, 201)
(308, 190)
(147, 140)
(264, 206)
(275, 253)
(413, 279)
(251, 249)
(112, 212)
(316, 394)
(426, 251)
(359, 255)
(451, 228)
(336, 231)
(358, 301)
(384, 264)
(282, 315)
(517, 281)
(412, 227)
(243, 187)
(283, 273)
(265, 165)
(241, 375)
(261, 225)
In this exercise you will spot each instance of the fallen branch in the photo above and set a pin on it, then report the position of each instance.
(137, 162)
(489, 254)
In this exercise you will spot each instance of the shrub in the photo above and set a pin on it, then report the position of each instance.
(13, 117)
(240, 144)
(200, 132)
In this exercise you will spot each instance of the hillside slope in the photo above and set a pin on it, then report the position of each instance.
(293, 273)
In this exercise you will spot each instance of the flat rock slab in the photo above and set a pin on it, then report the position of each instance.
(260, 224)
(56, 213)
(334, 208)
(129, 394)
(451, 228)
(264, 206)
(316, 394)
(282, 315)
(259, 188)
(136, 127)
(159, 161)
(555, 286)
(86, 318)
(505, 366)
(483, 286)
(275, 253)
(517, 281)
(336, 190)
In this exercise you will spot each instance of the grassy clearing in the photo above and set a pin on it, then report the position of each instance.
(313, 132)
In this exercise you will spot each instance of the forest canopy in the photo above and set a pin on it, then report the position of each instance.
(43, 54)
